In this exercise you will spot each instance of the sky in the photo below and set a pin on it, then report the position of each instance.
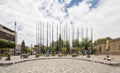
(101, 15)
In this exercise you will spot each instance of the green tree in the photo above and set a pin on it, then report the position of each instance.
(64, 50)
(102, 40)
(27, 49)
(68, 45)
(86, 43)
(6, 44)
(76, 43)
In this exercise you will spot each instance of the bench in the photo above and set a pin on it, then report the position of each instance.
(37, 55)
(88, 56)
(74, 55)
(60, 55)
(108, 59)
(24, 56)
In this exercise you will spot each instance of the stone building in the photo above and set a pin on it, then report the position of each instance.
(113, 47)
(7, 34)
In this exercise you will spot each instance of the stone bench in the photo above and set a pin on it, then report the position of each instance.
(108, 59)
(37, 55)
(60, 55)
(74, 55)
(24, 56)
(88, 56)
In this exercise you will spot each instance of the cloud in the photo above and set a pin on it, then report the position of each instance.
(103, 17)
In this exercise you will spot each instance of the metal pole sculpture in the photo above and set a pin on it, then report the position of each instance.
(15, 38)
(57, 41)
(73, 39)
(36, 37)
(52, 37)
(64, 32)
(86, 32)
(39, 37)
(91, 39)
(43, 37)
(50, 40)
(47, 52)
(60, 45)
(78, 33)
(82, 34)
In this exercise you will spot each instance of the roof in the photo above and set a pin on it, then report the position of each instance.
(7, 28)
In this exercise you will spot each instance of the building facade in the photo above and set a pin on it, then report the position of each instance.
(7, 34)
(113, 47)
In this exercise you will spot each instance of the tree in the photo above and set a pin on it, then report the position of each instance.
(102, 40)
(6, 44)
(27, 49)
(76, 43)
(68, 46)
(86, 45)
(85, 42)
(64, 50)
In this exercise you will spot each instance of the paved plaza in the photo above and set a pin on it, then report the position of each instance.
(60, 65)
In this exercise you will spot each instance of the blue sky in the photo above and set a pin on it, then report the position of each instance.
(102, 15)
(72, 3)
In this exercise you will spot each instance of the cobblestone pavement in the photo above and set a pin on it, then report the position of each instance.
(59, 66)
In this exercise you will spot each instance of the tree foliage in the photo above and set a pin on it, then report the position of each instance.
(6, 44)
(85, 43)
(102, 40)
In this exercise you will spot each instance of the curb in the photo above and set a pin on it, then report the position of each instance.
(12, 63)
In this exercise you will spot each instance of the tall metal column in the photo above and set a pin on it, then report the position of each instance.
(73, 36)
(47, 52)
(60, 39)
(39, 38)
(91, 39)
(43, 38)
(57, 41)
(78, 33)
(86, 32)
(52, 35)
(15, 38)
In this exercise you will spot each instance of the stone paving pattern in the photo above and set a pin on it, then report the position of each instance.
(61, 66)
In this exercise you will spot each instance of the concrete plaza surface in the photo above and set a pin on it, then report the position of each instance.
(60, 65)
